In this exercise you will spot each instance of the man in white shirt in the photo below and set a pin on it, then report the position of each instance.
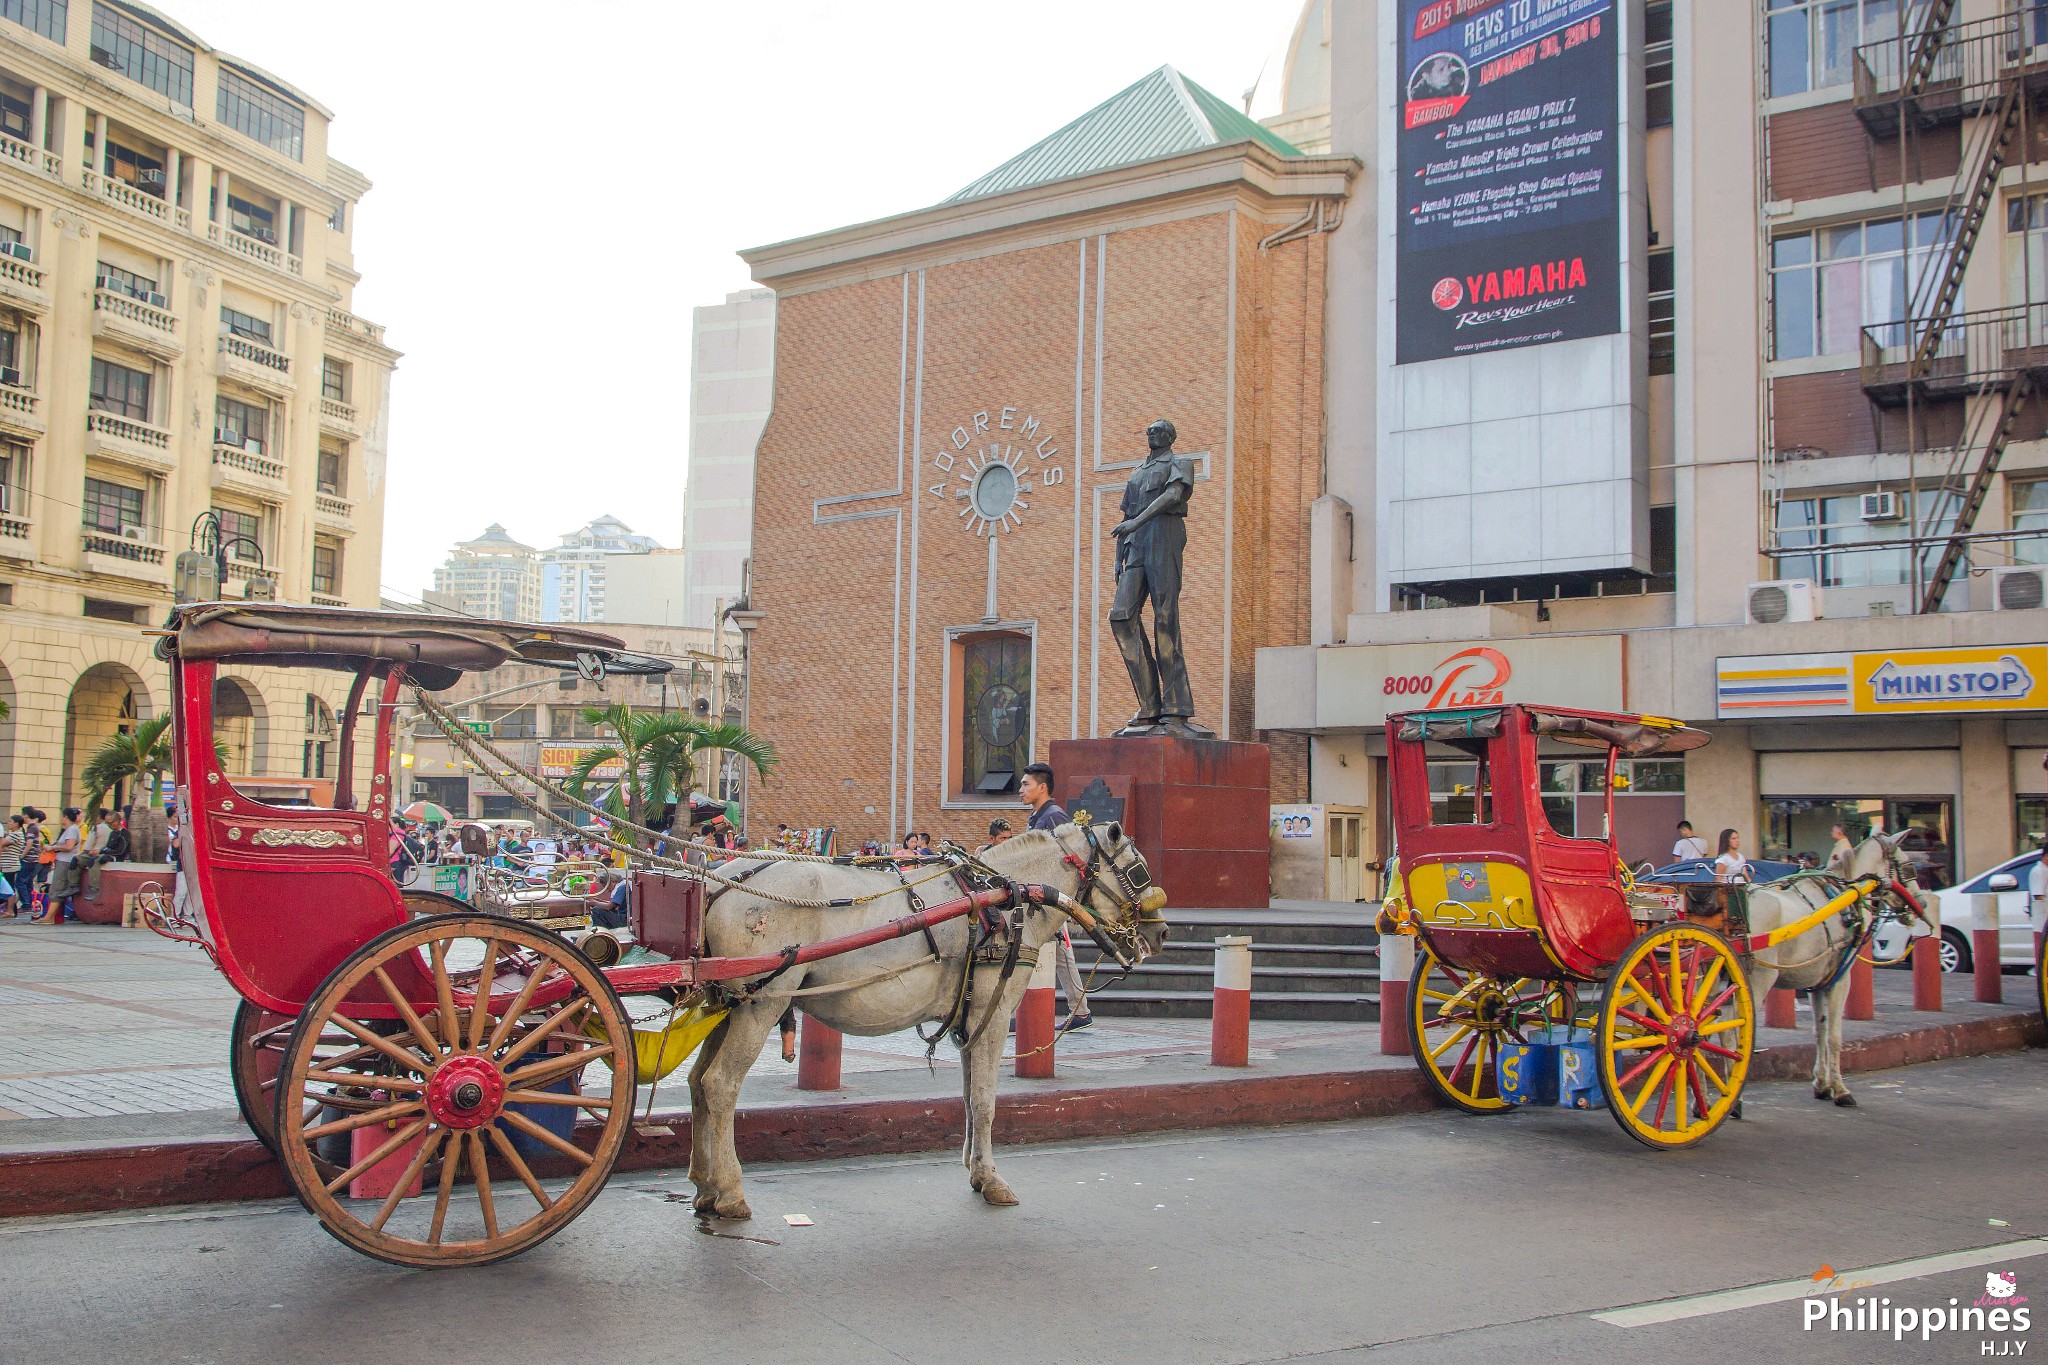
(95, 845)
(1689, 845)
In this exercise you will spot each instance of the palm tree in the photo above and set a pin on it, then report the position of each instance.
(657, 757)
(144, 751)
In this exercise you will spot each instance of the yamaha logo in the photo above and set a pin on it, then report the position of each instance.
(1448, 293)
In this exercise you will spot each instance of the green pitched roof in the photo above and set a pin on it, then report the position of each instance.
(1164, 114)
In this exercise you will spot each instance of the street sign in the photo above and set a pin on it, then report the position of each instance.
(478, 727)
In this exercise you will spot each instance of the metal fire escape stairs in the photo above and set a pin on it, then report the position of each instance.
(1968, 71)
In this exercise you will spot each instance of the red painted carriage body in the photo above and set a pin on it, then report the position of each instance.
(1505, 893)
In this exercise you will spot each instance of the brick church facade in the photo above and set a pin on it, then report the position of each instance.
(960, 395)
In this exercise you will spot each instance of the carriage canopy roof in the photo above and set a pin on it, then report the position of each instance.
(1634, 736)
(436, 650)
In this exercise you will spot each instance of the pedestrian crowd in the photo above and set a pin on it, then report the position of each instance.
(43, 871)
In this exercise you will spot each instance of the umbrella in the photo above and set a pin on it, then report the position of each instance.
(426, 812)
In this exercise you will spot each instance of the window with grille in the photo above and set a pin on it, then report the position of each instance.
(252, 220)
(327, 568)
(1828, 285)
(1811, 44)
(142, 54)
(242, 424)
(2030, 513)
(47, 17)
(262, 114)
(333, 471)
(333, 379)
(125, 281)
(14, 479)
(15, 117)
(119, 389)
(243, 525)
(112, 507)
(1834, 529)
(246, 325)
(135, 168)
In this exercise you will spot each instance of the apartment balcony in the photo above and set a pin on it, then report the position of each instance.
(131, 555)
(139, 202)
(348, 324)
(114, 437)
(339, 417)
(141, 325)
(22, 284)
(334, 511)
(255, 364)
(17, 532)
(31, 158)
(250, 471)
(256, 249)
(18, 413)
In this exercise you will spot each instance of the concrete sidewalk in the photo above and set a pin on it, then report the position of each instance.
(114, 1036)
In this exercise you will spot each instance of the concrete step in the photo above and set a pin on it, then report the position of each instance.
(1310, 1005)
(1158, 976)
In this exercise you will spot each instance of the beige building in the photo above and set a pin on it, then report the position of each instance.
(176, 337)
(493, 576)
(1788, 478)
(732, 383)
(536, 717)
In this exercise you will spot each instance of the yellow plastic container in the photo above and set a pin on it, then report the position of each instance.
(657, 1052)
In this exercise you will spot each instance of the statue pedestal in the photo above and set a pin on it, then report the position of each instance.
(1198, 809)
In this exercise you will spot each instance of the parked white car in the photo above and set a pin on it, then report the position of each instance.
(2008, 882)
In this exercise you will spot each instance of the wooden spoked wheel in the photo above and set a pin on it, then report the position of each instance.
(446, 1089)
(255, 1051)
(1676, 1028)
(1457, 1022)
(257, 1039)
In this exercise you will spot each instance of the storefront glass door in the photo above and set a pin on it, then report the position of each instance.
(1799, 827)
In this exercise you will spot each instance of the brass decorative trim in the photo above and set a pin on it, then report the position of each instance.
(300, 838)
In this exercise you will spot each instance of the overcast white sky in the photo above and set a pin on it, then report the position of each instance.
(557, 185)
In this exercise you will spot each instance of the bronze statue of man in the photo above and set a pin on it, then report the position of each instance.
(1150, 540)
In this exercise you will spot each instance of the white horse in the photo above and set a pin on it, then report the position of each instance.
(1100, 868)
(1817, 960)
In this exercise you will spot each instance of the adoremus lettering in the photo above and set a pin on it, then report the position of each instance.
(1510, 209)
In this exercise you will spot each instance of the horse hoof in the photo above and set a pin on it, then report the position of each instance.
(1822, 1095)
(705, 1203)
(735, 1211)
(974, 1183)
(1735, 1111)
(997, 1192)
(1845, 1101)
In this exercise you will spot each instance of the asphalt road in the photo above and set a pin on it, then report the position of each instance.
(1431, 1238)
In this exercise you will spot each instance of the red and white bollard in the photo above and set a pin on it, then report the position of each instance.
(1397, 963)
(1230, 1019)
(1781, 1008)
(817, 1055)
(1927, 973)
(1984, 963)
(1862, 1001)
(1035, 1026)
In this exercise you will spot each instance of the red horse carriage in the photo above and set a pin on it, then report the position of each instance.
(399, 1041)
(1537, 948)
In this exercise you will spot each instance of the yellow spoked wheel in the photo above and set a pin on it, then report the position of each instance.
(1676, 1028)
(2041, 975)
(1457, 1022)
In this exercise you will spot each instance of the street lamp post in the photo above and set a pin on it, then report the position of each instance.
(202, 570)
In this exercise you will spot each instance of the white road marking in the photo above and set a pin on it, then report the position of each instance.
(203, 1213)
(1784, 1291)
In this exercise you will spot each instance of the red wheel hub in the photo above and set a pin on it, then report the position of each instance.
(465, 1092)
(1685, 1032)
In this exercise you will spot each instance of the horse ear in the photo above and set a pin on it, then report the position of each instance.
(1892, 841)
(1115, 832)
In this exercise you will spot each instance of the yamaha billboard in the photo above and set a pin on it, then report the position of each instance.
(1508, 164)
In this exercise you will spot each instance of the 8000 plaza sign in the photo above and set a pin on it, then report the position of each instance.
(1362, 684)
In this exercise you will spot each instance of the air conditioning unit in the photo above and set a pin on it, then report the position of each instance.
(2019, 589)
(252, 445)
(1881, 506)
(154, 299)
(227, 436)
(106, 59)
(149, 177)
(18, 250)
(1781, 599)
(134, 533)
(10, 376)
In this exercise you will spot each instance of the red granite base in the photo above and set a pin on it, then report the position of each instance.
(1198, 809)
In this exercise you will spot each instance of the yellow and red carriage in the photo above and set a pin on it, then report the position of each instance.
(1536, 948)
